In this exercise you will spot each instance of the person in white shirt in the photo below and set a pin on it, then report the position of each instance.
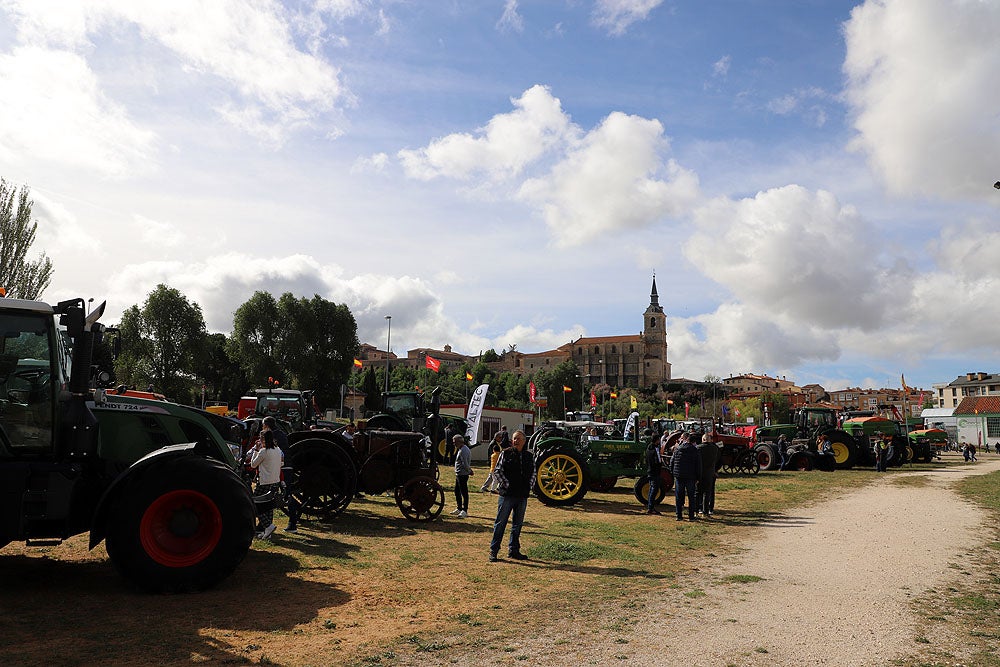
(266, 459)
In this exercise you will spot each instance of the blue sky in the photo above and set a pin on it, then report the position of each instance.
(810, 181)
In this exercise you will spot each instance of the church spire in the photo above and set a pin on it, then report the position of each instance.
(654, 298)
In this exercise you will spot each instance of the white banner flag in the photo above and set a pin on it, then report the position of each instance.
(630, 424)
(476, 412)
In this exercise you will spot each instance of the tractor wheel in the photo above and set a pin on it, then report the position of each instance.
(561, 477)
(910, 456)
(323, 479)
(641, 490)
(747, 463)
(441, 451)
(420, 499)
(767, 457)
(603, 484)
(180, 525)
(845, 450)
(799, 461)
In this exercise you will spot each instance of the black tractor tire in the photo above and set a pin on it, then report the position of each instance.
(387, 422)
(561, 476)
(641, 490)
(323, 478)
(825, 462)
(180, 525)
(799, 461)
(845, 449)
(747, 463)
(767, 456)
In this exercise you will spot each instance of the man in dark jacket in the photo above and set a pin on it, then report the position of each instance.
(653, 467)
(709, 452)
(514, 472)
(685, 464)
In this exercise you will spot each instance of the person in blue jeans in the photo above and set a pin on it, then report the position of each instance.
(685, 464)
(653, 467)
(513, 474)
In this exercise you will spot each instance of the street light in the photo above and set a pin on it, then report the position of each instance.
(89, 301)
(388, 333)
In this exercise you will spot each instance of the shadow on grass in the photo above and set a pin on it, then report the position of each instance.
(81, 612)
(621, 572)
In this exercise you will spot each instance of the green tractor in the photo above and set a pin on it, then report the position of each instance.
(408, 411)
(572, 458)
(156, 481)
(808, 423)
(928, 443)
(903, 450)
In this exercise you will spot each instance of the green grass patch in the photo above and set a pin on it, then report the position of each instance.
(742, 579)
(567, 551)
(696, 593)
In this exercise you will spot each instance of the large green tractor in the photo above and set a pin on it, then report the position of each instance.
(808, 423)
(156, 481)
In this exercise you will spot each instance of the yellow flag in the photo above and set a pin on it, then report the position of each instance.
(634, 402)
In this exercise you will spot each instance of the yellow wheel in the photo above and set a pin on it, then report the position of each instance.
(560, 477)
(840, 452)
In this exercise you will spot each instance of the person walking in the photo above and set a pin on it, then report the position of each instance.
(514, 472)
(709, 452)
(463, 470)
(266, 459)
(685, 464)
(783, 451)
(653, 468)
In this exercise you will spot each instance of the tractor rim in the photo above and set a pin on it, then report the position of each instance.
(560, 476)
(180, 528)
(840, 451)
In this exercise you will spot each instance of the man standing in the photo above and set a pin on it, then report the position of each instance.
(783, 451)
(709, 452)
(685, 464)
(513, 473)
(463, 470)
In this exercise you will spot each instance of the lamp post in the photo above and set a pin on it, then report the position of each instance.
(89, 302)
(388, 333)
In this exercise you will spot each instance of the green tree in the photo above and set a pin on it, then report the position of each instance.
(255, 339)
(162, 344)
(223, 378)
(22, 278)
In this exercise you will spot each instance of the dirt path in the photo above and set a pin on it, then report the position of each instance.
(867, 554)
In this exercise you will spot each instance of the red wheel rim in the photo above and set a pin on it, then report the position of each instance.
(180, 528)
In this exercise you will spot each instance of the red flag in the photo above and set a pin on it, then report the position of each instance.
(433, 364)
(593, 400)
(531, 392)
(895, 413)
(687, 409)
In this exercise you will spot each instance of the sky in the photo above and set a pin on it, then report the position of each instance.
(810, 182)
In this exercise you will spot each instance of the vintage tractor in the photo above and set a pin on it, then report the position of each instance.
(574, 457)
(156, 481)
(326, 468)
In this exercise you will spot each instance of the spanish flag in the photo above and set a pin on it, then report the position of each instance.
(614, 394)
(566, 389)
(468, 376)
(357, 363)
(902, 379)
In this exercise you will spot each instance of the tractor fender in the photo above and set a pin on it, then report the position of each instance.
(553, 443)
(98, 526)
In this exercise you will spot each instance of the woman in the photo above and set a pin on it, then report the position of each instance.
(266, 460)
(495, 448)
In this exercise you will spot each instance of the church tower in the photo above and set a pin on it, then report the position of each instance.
(655, 367)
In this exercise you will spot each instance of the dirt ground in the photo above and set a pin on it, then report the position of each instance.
(872, 552)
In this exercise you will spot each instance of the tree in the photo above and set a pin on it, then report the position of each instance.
(255, 338)
(223, 378)
(23, 279)
(162, 344)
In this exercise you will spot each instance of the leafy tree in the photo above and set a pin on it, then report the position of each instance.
(489, 356)
(23, 279)
(224, 379)
(255, 339)
(373, 395)
(162, 343)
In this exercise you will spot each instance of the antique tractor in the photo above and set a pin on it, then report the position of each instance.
(327, 468)
(574, 457)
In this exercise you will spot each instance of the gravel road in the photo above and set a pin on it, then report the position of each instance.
(836, 581)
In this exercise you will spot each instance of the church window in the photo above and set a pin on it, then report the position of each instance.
(597, 350)
(613, 350)
(652, 323)
(631, 349)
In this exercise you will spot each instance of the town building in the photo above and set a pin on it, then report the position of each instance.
(978, 420)
(950, 395)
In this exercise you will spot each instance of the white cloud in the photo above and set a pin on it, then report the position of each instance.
(721, 66)
(157, 233)
(374, 163)
(617, 15)
(510, 20)
(270, 86)
(54, 110)
(502, 149)
(613, 179)
(922, 84)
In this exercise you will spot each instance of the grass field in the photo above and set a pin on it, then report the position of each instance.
(372, 587)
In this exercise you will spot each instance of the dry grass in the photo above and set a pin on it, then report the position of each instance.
(375, 589)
